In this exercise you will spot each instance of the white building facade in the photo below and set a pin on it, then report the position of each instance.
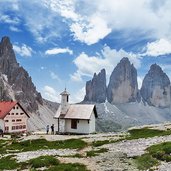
(75, 118)
(13, 117)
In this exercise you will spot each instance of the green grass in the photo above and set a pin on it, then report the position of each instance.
(161, 151)
(8, 163)
(40, 144)
(43, 161)
(96, 152)
(50, 162)
(156, 153)
(146, 133)
(145, 162)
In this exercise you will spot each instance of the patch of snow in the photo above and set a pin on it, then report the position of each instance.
(5, 77)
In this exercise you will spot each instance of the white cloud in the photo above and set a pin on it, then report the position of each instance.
(87, 29)
(139, 80)
(76, 77)
(56, 51)
(108, 59)
(51, 94)
(78, 96)
(42, 67)
(14, 29)
(158, 47)
(9, 20)
(54, 76)
(92, 32)
(91, 21)
(23, 50)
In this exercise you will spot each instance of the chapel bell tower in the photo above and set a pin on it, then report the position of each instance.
(64, 101)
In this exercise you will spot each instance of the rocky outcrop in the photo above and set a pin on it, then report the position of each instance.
(155, 88)
(123, 86)
(17, 78)
(96, 88)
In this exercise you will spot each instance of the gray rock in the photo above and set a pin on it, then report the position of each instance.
(155, 88)
(17, 78)
(123, 86)
(96, 88)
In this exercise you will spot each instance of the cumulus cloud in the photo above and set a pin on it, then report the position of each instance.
(92, 32)
(78, 96)
(108, 59)
(91, 21)
(14, 29)
(9, 20)
(54, 76)
(23, 50)
(76, 76)
(56, 51)
(51, 94)
(87, 29)
(158, 47)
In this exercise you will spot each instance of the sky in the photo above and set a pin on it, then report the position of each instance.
(62, 43)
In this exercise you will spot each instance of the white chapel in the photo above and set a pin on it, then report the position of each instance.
(75, 118)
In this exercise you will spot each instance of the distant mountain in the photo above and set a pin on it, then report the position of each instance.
(126, 105)
(16, 84)
(123, 86)
(96, 88)
(155, 88)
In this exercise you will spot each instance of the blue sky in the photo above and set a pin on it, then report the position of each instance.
(63, 42)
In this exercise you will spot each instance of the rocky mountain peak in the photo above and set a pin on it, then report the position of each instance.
(123, 86)
(96, 88)
(155, 88)
(7, 56)
(17, 78)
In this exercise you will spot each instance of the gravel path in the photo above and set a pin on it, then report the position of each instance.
(21, 157)
(136, 147)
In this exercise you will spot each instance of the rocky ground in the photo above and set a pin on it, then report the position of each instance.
(116, 159)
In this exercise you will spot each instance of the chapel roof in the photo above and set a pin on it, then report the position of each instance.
(77, 111)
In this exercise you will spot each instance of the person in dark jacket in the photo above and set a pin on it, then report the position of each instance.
(47, 129)
(1, 132)
(52, 129)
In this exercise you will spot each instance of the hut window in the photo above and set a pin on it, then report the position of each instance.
(6, 128)
(74, 123)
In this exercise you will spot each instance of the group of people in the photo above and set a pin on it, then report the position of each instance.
(52, 129)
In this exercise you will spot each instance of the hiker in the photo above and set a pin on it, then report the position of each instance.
(1, 132)
(47, 129)
(52, 129)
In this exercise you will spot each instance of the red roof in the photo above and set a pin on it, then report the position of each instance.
(6, 106)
